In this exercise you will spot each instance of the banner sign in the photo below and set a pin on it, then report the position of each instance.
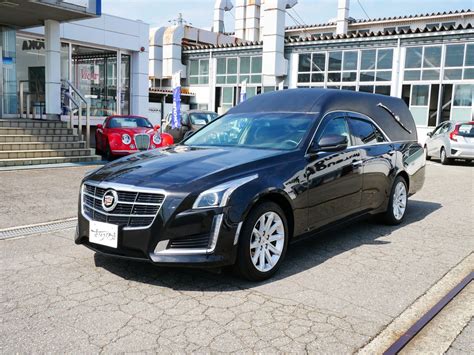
(176, 117)
(243, 91)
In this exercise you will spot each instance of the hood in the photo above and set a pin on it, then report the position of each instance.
(175, 167)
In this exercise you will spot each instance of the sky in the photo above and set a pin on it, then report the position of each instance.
(199, 13)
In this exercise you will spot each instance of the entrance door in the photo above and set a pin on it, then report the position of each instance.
(424, 103)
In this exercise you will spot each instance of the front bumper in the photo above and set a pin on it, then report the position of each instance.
(177, 240)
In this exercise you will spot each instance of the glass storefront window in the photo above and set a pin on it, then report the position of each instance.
(454, 55)
(9, 73)
(198, 72)
(368, 59)
(384, 59)
(432, 57)
(463, 95)
(419, 95)
(413, 57)
(125, 85)
(350, 61)
(335, 59)
(95, 74)
(469, 55)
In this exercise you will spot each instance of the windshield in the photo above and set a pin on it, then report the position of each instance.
(283, 131)
(129, 122)
(202, 118)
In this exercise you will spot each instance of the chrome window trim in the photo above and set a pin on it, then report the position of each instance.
(346, 115)
(127, 188)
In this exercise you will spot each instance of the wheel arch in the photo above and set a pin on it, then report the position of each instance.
(405, 176)
(281, 200)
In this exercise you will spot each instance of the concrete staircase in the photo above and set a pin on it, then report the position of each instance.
(30, 142)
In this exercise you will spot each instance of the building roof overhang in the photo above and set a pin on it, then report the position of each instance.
(24, 14)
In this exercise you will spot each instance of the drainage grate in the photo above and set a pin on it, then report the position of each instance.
(38, 228)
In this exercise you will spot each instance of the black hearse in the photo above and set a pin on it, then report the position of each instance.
(275, 168)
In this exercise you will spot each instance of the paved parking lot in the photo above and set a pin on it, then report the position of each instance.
(332, 295)
(39, 195)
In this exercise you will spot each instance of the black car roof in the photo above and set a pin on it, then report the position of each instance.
(390, 113)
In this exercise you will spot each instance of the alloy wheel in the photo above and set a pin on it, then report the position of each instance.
(267, 241)
(399, 200)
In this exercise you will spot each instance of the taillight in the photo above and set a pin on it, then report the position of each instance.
(454, 134)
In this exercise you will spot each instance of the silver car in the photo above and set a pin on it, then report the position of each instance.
(451, 140)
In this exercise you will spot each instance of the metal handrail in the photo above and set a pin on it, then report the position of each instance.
(78, 104)
(28, 100)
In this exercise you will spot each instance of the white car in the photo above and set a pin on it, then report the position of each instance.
(451, 140)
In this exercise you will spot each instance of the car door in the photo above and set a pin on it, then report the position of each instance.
(434, 145)
(100, 136)
(334, 178)
(377, 157)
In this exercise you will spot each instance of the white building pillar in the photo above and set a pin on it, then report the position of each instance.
(52, 68)
(139, 90)
(139, 103)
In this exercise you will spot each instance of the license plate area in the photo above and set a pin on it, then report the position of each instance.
(103, 234)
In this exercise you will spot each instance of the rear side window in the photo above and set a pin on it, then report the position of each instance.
(466, 130)
(365, 132)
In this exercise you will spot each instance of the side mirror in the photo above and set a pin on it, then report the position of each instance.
(156, 127)
(332, 143)
(429, 134)
(99, 126)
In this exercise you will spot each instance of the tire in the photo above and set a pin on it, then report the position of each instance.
(392, 215)
(427, 156)
(108, 153)
(254, 253)
(443, 158)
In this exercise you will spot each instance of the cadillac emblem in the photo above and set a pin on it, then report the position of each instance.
(109, 200)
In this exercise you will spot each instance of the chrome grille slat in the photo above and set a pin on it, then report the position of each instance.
(142, 141)
(129, 211)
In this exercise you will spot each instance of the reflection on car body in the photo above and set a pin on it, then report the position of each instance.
(278, 167)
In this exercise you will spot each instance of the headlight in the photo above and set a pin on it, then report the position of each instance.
(157, 138)
(126, 139)
(219, 195)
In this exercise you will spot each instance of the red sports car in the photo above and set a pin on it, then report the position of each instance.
(123, 135)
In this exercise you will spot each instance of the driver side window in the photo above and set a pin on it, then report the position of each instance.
(335, 127)
(185, 119)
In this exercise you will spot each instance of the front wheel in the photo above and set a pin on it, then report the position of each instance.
(108, 153)
(397, 204)
(263, 242)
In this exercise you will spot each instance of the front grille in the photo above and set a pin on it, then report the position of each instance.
(200, 241)
(142, 141)
(134, 209)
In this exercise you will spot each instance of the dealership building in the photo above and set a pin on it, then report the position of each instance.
(46, 43)
(425, 59)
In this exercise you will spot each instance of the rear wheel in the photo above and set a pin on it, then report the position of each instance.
(263, 242)
(443, 157)
(398, 202)
(427, 156)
